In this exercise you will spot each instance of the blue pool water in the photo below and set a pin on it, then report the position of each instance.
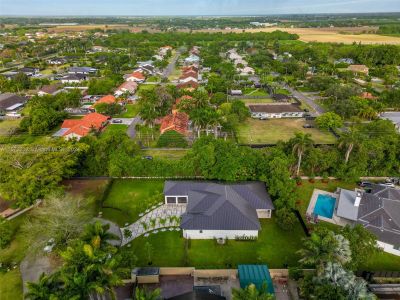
(325, 206)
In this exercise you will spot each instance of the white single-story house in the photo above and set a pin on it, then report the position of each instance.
(73, 78)
(219, 210)
(274, 111)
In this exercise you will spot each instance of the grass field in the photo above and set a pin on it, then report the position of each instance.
(131, 111)
(256, 101)
(254, 92)
(255, 131)
(116, 127)
(170, 154)
(128, 198)
(143, 87)
(274, 246)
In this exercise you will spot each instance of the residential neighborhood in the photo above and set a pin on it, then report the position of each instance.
(199, 157)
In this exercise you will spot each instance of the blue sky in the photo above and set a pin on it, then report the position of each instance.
(192, 7)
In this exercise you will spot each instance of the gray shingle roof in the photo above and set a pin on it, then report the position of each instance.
(219, 206)
(8, 99)
(379, 212)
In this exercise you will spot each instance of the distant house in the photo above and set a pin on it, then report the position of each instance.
(51, 89)
(394, 117)
(358, 69)
(27, 71)
(348, 61)
(177, 121)
(191, 85)
(246, 71)
(11, 102)
(369, 96)
(74, 78)
(129, 87)
(192, 59)
(56, 61)
(78, 128)
(108, 99)
(82, 70)
(272, 111)
(236, 92)
(136, 77)
(218, 210)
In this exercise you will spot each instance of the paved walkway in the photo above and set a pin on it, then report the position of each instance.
(162, 218)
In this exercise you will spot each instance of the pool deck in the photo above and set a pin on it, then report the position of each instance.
(335, 219)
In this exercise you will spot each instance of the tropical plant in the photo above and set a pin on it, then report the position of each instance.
(301, 142)
(45, 289)
(98, 235)
(349, 140)
(252, 293)
(143, 294)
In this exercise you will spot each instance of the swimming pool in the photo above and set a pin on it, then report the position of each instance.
(324, 206)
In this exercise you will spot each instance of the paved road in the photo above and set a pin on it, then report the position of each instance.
(131, 131)
(168, 70)
(307, 99)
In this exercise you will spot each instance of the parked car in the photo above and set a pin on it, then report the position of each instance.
(308, 126)
(117, 121)
(148, 157)
(263, 118)
(365, 184)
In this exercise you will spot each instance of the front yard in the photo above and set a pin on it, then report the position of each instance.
(255, 131)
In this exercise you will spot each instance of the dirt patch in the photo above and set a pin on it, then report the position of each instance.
(85, 187)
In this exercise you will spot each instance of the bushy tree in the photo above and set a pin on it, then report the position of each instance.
(329, 120)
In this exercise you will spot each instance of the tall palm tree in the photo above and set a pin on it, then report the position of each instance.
(349, 140)
(301, 142)
(252, 293)
(142, 294)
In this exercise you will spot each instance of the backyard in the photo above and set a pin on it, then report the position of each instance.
(131, 111)
(271, 131)
(274, 246)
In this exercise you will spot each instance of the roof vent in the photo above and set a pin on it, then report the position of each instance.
(358, 199)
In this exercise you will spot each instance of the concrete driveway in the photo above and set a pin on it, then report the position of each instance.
(310, 100)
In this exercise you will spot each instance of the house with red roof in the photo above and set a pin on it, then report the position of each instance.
(369, 96)
(177, 121)
(190, 85)
(136, 76)
(127, 87)
(78, 128)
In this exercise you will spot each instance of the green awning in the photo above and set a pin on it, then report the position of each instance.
(257, 275)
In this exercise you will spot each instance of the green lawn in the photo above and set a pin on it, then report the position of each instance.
(169, 154)
(153, 79)
(146, 87)
(381, 261)
(116, 127)
(127, 198)
(255, 131)
(274, 246)
(131, 111)
(11, 285)
(254, 92)
(256, 101)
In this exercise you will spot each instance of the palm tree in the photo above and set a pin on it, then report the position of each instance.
(142, 294)
(301, 142)
(44, 289)
(97, 235)
(349, 140)
(252, 293)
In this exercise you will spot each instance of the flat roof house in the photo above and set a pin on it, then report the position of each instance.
(272, 111)
(219, 210)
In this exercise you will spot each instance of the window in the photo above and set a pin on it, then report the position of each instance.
(182, 200)
(171, 200)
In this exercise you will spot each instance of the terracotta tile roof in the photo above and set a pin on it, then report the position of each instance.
(189, 74)
(358, 68)
(367, 95)
(83, 126)
(137, 75)
(128, 85)
(184, 97)
(177, 121)
(187, 85)
(190, 68)
(109, 99)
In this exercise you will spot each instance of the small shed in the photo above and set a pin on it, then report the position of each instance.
(257, 275)
(236, 92)
(146, 275)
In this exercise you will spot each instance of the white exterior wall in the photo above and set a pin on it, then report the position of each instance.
(277, 115)
(263, 213)
(388, 248)
(211, 234)
(72, 136)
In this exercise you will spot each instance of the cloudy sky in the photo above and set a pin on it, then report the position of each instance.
(192, 7)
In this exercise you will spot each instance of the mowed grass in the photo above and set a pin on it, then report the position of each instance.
(378, 262)
(131, 111)
(127, 198)
(11, 285)
(275, 247)
(116, 127)
(255, 131)
(169, 154)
